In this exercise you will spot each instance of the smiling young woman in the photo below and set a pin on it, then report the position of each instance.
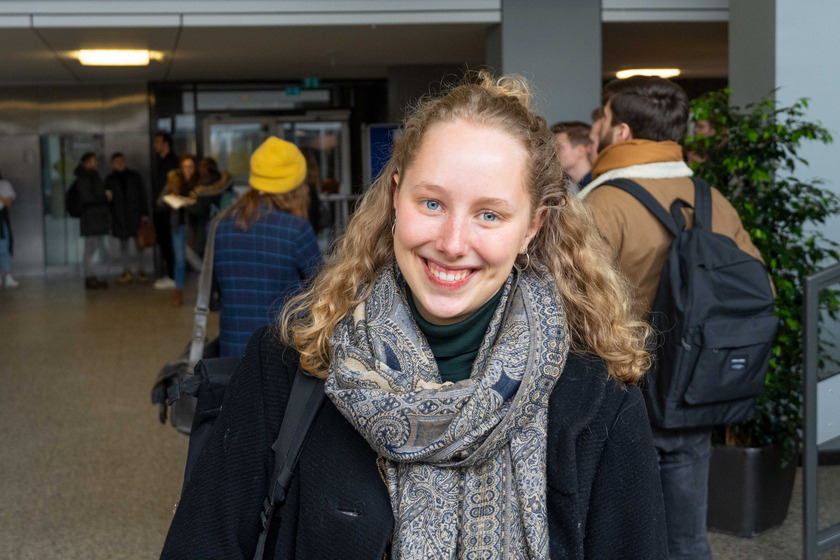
(462, 216)
(479, 356)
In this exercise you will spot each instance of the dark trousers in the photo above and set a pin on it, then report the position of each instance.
(684, 471)
(163, 232)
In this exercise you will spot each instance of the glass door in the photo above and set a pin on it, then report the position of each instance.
(324, 138)
(231, 141)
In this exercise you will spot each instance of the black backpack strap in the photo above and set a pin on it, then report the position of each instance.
(178, 389)
(304, 402)
(648, 201)
(702, 204)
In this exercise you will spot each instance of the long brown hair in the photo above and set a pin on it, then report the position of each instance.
(176, 181)
(253, 203)
(595, 294)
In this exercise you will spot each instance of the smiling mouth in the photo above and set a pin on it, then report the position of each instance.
(447, 274)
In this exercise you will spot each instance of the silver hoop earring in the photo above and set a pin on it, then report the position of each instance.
(527, 263)
(394, 227)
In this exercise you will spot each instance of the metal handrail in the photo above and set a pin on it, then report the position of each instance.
(814, 541)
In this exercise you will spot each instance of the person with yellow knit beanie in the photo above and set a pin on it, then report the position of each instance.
(265, 246)
(277, 167)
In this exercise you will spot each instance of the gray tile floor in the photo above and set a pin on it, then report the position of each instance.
(88, 472)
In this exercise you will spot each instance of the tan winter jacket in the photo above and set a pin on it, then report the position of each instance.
(639, 240)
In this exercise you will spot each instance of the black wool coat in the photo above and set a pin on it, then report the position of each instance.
(129, 202)
(96, 210)
(604, 497)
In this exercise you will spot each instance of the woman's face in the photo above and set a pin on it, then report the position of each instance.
(188, 169)
(463, 215)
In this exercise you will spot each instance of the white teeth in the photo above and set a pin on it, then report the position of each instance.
(448, 277)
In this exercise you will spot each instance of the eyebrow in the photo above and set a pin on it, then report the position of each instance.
(485, 201)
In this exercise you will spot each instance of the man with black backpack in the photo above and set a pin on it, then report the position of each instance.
(699, 280)
(95, 218)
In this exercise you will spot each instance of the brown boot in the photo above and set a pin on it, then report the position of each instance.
(178, 300)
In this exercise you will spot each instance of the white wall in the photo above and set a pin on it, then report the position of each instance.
(807, 43)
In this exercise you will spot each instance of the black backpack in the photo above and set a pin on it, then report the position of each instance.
(73, 201)
(713, 316)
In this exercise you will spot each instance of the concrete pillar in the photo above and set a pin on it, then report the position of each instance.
(557, 45)
(752, 50)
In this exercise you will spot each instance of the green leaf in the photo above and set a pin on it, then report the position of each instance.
(755, 163)
(794, 325)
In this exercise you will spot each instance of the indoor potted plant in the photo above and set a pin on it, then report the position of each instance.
(751, 156)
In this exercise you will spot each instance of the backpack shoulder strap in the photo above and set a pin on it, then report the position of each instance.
(304, 402)
(648, 201)
(202, 300)
(702, 204)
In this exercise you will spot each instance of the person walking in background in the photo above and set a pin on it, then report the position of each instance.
(165, 161)
(175, 197)
(95, 221)
(644, 121)
(264, 247)
(594, 138)
(128, 210)
(212, 184)
(7, 195)
(573, 142)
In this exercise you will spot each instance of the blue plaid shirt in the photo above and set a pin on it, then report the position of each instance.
(257, 270)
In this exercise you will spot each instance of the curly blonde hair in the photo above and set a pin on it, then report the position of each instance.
(595, 294)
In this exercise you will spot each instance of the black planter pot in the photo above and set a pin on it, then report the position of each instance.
(749, 491)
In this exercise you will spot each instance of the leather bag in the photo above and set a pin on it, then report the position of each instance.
(146, 236)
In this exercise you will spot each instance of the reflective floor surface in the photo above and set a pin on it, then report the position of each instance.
(87, 471)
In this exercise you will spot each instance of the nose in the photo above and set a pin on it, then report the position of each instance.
(452, 238)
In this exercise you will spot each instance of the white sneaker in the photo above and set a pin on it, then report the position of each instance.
(165, 283)
(10, 282)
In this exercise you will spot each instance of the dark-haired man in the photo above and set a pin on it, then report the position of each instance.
(165, 161)
(644, 120)
(572, 143)
(95, 221)
(128, 211)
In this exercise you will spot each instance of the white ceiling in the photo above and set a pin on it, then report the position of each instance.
(36, 56)
(260, 40)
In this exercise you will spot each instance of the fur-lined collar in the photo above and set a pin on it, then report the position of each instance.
(638, 159)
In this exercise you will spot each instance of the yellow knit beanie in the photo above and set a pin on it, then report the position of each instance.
(277, 166)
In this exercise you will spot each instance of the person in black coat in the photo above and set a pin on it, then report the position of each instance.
(95, 221)
(165, 160)
(480, 360)
(128, 210)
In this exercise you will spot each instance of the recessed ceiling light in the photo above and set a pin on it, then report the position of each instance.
(116, 57)
(661, 72)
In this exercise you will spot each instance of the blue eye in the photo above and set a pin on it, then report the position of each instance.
(432, 204)
(489, 216)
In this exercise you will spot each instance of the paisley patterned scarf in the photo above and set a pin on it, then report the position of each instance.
(464, 462)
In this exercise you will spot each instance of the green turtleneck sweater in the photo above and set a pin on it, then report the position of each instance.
(456, 346)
